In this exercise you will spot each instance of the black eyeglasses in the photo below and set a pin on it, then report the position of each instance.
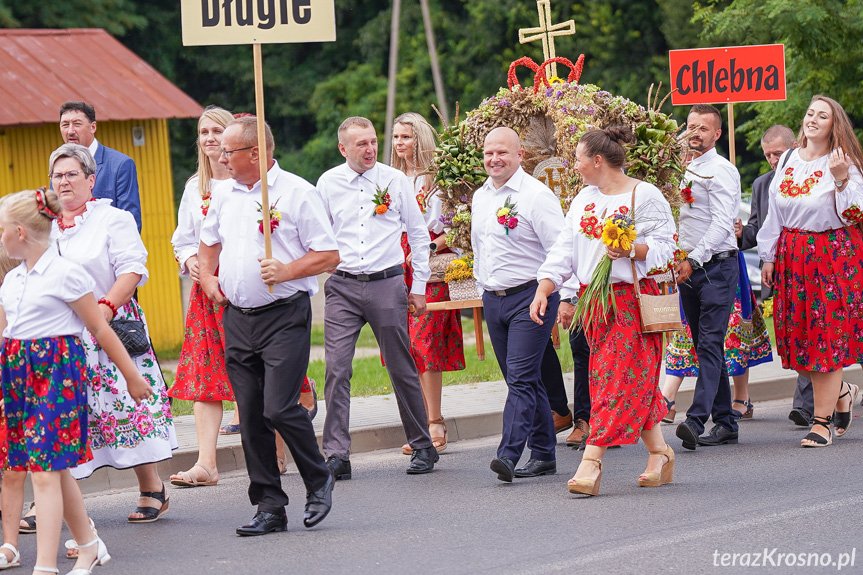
(229, 152)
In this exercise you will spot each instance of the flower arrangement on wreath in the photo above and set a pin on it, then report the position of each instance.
(550, 120)
(460, 269)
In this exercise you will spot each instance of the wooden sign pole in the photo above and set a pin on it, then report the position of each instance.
(732, 153)
(262, 152)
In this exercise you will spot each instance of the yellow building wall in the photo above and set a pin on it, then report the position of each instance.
(24, 153)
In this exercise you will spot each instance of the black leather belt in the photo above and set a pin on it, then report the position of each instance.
(513, 290)
(719, 256)
(273, 305)
(396, 270)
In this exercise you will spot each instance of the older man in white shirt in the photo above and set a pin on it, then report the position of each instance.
(708, 277)
(268, 335)
(369, 204)
(507, 256)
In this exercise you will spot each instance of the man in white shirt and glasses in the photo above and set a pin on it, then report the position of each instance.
(369, 204)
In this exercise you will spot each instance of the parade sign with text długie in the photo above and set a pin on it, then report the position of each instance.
(217, 22)
(727, 75)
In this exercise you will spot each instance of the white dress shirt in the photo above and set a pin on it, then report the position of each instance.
(187, 236)
(106, 242)
(707, 224)
(577, 251)
(370, 242)
(503, 260)
(37, 302)
(232, 221)
(817, 210)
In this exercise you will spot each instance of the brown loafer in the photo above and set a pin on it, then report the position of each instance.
(579, 434)
(561, 423)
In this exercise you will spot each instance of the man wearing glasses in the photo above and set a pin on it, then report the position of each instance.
(116, 175)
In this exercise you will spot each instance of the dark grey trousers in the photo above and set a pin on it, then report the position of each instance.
(383, 304)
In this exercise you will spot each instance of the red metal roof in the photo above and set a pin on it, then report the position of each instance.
(41, 69)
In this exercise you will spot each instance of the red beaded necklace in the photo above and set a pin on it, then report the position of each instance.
(63, 226)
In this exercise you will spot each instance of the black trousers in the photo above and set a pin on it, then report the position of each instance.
(707, 298)
(552, 377)
(266, 356)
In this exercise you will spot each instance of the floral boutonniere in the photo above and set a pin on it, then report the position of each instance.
(686, 193)
(422, 200)
(381, 201)
(506, 216)
(205, 204)
(275, 217)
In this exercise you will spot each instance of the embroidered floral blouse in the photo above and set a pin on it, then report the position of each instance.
(579, 247)
(803, 197)
(193, 210)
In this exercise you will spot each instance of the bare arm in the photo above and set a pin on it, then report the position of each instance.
(208, 261)
(120, 293)
(313, 263)
(86, 308)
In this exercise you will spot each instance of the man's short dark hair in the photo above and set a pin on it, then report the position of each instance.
(83, 107)
(705, 109)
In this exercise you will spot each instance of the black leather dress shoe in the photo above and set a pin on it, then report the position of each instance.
(319, 503)
(264, 523)
(718, 436)
(800, 417)
(504, 467)
(535, 468)
(688, 432)
(341, 468)
(423, 460)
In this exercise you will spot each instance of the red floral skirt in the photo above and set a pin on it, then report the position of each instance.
(819, 299)
(201, 374)
(624, 372)
(436, 337)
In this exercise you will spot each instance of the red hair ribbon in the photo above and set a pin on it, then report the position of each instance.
(42, 205)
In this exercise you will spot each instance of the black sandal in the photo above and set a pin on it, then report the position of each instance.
(817, 440)
(842, 419)
(30, 521)
(151, 514)
(744, 415)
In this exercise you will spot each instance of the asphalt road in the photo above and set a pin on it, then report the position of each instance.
(763, 494)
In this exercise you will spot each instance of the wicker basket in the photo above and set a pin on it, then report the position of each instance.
(462, 290)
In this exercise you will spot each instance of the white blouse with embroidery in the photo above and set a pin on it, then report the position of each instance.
(803, 197)
(579, 248)
(193, 210)
(105, 241)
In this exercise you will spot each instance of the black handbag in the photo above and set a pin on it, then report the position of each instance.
(132, 335)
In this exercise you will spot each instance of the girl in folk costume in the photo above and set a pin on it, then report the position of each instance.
(45, 304)
(436, 337)
(626, 403)
(812, 248)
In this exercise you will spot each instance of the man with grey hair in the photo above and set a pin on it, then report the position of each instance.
(369, 204)
(268, 335)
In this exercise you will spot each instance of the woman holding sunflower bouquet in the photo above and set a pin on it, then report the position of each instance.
(613, 221)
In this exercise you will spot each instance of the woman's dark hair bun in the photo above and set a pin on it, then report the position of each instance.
(620, 134)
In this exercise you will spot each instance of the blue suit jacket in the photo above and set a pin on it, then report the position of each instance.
(117, 180)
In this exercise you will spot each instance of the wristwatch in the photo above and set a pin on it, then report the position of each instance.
(632, 252)
(432, 248)
(840, 183)
(693, 263)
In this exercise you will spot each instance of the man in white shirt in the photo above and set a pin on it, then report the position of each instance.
(507, 257)
(268, 335)
(369, 204)
(708, 277)
(116, 175)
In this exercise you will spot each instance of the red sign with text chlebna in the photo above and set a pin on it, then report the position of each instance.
(727, 75)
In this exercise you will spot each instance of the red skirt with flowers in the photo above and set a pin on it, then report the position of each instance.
(436, 337)
(818, 301)
(624, 372)
(45, 402)
(201, 374)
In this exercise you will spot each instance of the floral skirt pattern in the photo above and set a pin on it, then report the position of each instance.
(818, 302)
(624, 372)
(747, 341)
(121, 434)
(45, 402)
(201, 374)
(436, 337)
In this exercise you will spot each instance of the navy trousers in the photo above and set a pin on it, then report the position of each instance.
(581, 364)
(707, 298)
(551, 375)
(519, 345)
